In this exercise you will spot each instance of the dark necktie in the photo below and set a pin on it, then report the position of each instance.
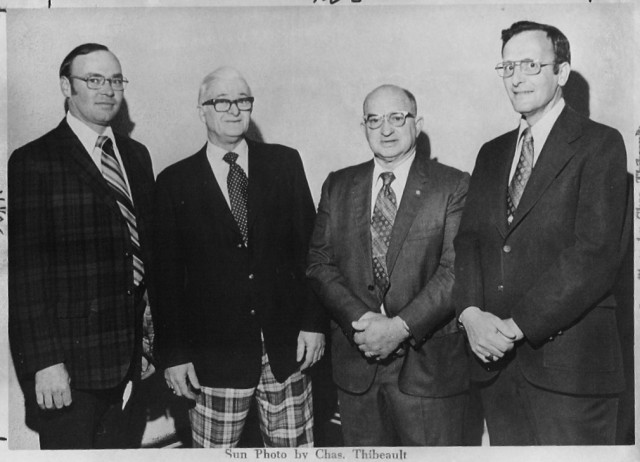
(112, 173)
(237, 184)
(521, 175)
(384, 214)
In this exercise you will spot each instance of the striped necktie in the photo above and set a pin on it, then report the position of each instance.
(112, 173)
(521, 175)
(384, 214)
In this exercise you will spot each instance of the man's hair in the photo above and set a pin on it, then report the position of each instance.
(84, 49)
(65, 67)
(408, 94)
(560, 42)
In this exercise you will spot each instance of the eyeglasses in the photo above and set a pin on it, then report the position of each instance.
(397, 119)
(95, 82)
(223, 105)
(527, 66)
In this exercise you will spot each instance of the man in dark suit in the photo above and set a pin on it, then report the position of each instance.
(381, 260)
(80, 205)
(235, 320)
(538, 250)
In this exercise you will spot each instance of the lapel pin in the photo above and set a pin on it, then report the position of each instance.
(418, 192)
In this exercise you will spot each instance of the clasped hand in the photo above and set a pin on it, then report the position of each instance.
(378, 336)
(489, 336)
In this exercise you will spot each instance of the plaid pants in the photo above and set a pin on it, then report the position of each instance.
(285, 411)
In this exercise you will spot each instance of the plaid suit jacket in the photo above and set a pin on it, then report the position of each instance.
(71, 293)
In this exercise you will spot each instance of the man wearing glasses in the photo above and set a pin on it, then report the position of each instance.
(537, 254)
(381, 259)
(79, 261)
(235, 320)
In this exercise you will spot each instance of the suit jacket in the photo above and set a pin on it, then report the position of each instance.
(552, 270)
(420, 267)
(71, 292)
(216, 296)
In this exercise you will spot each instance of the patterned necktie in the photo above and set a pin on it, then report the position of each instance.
(238, 183)
(112, 173)
(521, 175)
(384, 214)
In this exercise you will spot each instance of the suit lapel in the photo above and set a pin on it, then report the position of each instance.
(416, 191)
(262, 181)
(361, 206)
(74, 153)
(503, 160)
(212, 198)
(554, 156)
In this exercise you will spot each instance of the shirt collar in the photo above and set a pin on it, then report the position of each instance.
(399, 171)
(540, 131)
(215, 154)
(86, 134)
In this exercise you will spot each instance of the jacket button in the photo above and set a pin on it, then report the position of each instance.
(129, 292)
(500, 287)
(560, 332)
(252, 312)
(371, 287)
(127, 254)
(251, 276)
(506, 248)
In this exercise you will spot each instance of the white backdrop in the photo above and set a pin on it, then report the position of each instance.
(309, 68)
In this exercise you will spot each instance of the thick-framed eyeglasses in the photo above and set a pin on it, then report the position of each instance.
(96, 81)
(223, 105)
(397, 119)
(527, 66)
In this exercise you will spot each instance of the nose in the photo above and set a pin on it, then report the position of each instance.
(233, 109)
(386, 129)
(106, 87)
(518, 75)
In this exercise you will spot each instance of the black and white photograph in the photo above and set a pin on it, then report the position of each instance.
(319, 229)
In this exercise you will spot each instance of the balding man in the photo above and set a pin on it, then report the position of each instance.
(235, 320)
(381, 259)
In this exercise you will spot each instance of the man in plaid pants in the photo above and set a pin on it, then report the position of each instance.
(235, 319)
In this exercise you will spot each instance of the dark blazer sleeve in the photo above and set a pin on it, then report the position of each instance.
(587, 269)
(313, 317)
(326, 278)
(436, 294)
(33, 329)
(171, 333)
(468, 287)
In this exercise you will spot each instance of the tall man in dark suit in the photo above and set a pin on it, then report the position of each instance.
(235, 320)
(381, 259)
(80, 204)
(538, 250)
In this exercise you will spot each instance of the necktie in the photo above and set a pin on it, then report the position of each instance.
(521, 175)
(238, 183)
(112, 173)
(384, 214)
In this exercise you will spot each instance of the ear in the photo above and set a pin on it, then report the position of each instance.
(419, 125)
(201, 115)
(65, 87)
(564, 70)
(364, 128)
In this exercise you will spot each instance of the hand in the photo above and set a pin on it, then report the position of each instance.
(53, 390)
(182, 380)
(379, 336)
(310, 347)
(489, 336)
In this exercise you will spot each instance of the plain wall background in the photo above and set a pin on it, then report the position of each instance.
(309, 69)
